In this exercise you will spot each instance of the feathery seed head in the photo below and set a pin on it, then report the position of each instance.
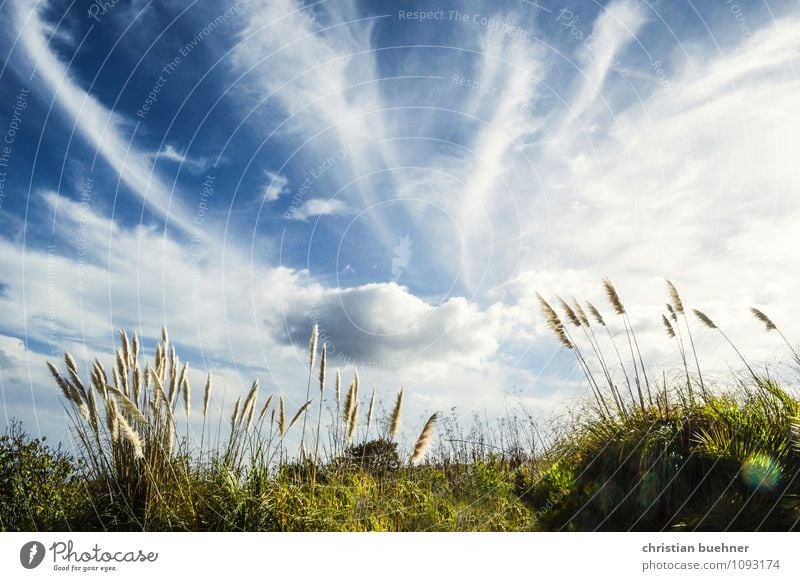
(704, 319)
(186, 395)
(281, 418)
(677, 303)
(394, 419)
(763, 318)
(571, 315)
(312, 346)
(235, 414)
(299, 413)
(613, 296)
(580, 313)
(266, 406)
(352, 422)
(131, 435)
(554, 322)
(322, 367)
(207, 395)
(668, 326)
(425, 439)
(370, 409)
(596, 314)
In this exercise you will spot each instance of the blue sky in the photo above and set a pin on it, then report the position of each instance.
(242, 170)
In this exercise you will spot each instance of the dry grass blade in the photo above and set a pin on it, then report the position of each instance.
(207, 395)
(613, 296)
(394, 418)
(677, 303)
(299, 414)
(668, 326)
(425, 439)
(704, 319)
(763, 318)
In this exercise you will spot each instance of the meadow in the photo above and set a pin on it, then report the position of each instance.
(644, 452)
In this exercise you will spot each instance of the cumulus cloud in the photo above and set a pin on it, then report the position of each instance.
(386, 324)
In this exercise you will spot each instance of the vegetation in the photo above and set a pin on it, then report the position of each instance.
(39, 487)
(645, 453)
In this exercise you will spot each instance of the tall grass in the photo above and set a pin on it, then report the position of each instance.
(644, 453)
(133, 432)
(677, 459)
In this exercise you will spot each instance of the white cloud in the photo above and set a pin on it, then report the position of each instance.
(241, 320)
(102, 128)
(317, 207)
(170, 153)
(276, 186)
(615, 27)
(386, 323)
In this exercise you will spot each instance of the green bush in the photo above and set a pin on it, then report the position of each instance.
(40, 488)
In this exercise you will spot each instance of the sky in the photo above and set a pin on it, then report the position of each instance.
(405, 175)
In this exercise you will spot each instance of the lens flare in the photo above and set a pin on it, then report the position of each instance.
(761, 472)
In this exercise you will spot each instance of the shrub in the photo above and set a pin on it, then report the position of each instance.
(40, 488)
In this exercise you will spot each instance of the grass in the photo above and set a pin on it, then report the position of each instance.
(642, 454)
